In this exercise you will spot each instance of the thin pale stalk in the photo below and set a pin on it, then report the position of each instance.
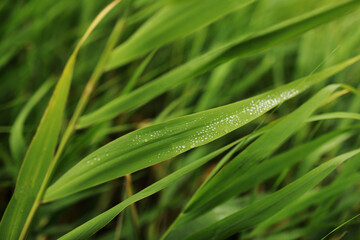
(129, 192)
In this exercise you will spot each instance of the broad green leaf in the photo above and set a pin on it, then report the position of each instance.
(89, 228)
(17, 142)
(170, 23)
(92, 226)
(261, 210)
(157, 143)
(224, 185)
(242, 47)
(33, 175)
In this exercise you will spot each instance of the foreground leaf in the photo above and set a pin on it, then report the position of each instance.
(229, 182)
(157, 143)
(91, 227)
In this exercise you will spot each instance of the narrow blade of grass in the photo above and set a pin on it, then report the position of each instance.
(261, 210)
(150, 145)
(92, 226)
(172, 22)
(269, 169)
(335, 115)
(17, 142)
(32, 177)
(20, 210)
(222, 187)
(243, 47)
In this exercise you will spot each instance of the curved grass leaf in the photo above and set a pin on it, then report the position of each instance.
(224, 185)
(36, 163)
(170, 23)
(243, 47)
(17, 142)
(312, 198)
(261, 210)
(157, 143)
(89, 228)
(271, 167)
(92, 226)
(135, 77)
(335, 115)
(33, 173)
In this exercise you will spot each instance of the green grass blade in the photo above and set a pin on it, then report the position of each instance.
(224, 186)
(135, 77)
(33, 175)
(18, 213)
(171, 23)
(17, 142)
(239, 48)
(340, 226)
(92, 226)
(335, 115)
(273, 166)
(263, 209)
(314, 197)
(151, 145)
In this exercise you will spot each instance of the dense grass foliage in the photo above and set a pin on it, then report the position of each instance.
(180, 119)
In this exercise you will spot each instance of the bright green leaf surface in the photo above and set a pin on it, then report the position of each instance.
(223, 186)
(154, 144)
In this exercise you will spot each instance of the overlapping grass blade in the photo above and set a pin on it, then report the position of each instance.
(17, 142)
(249, 45)
(170, 23)
(92, 226)
(224, 186)
(261, 210)
(148, 146)
(272, 167)
(33, 176)
(36, 163)
(135, 77)
(335, 115)
(312, 198)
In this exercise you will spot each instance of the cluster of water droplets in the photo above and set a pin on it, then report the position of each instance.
(93, 160)
(145, 137)
(218, 126)
(259, 106)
